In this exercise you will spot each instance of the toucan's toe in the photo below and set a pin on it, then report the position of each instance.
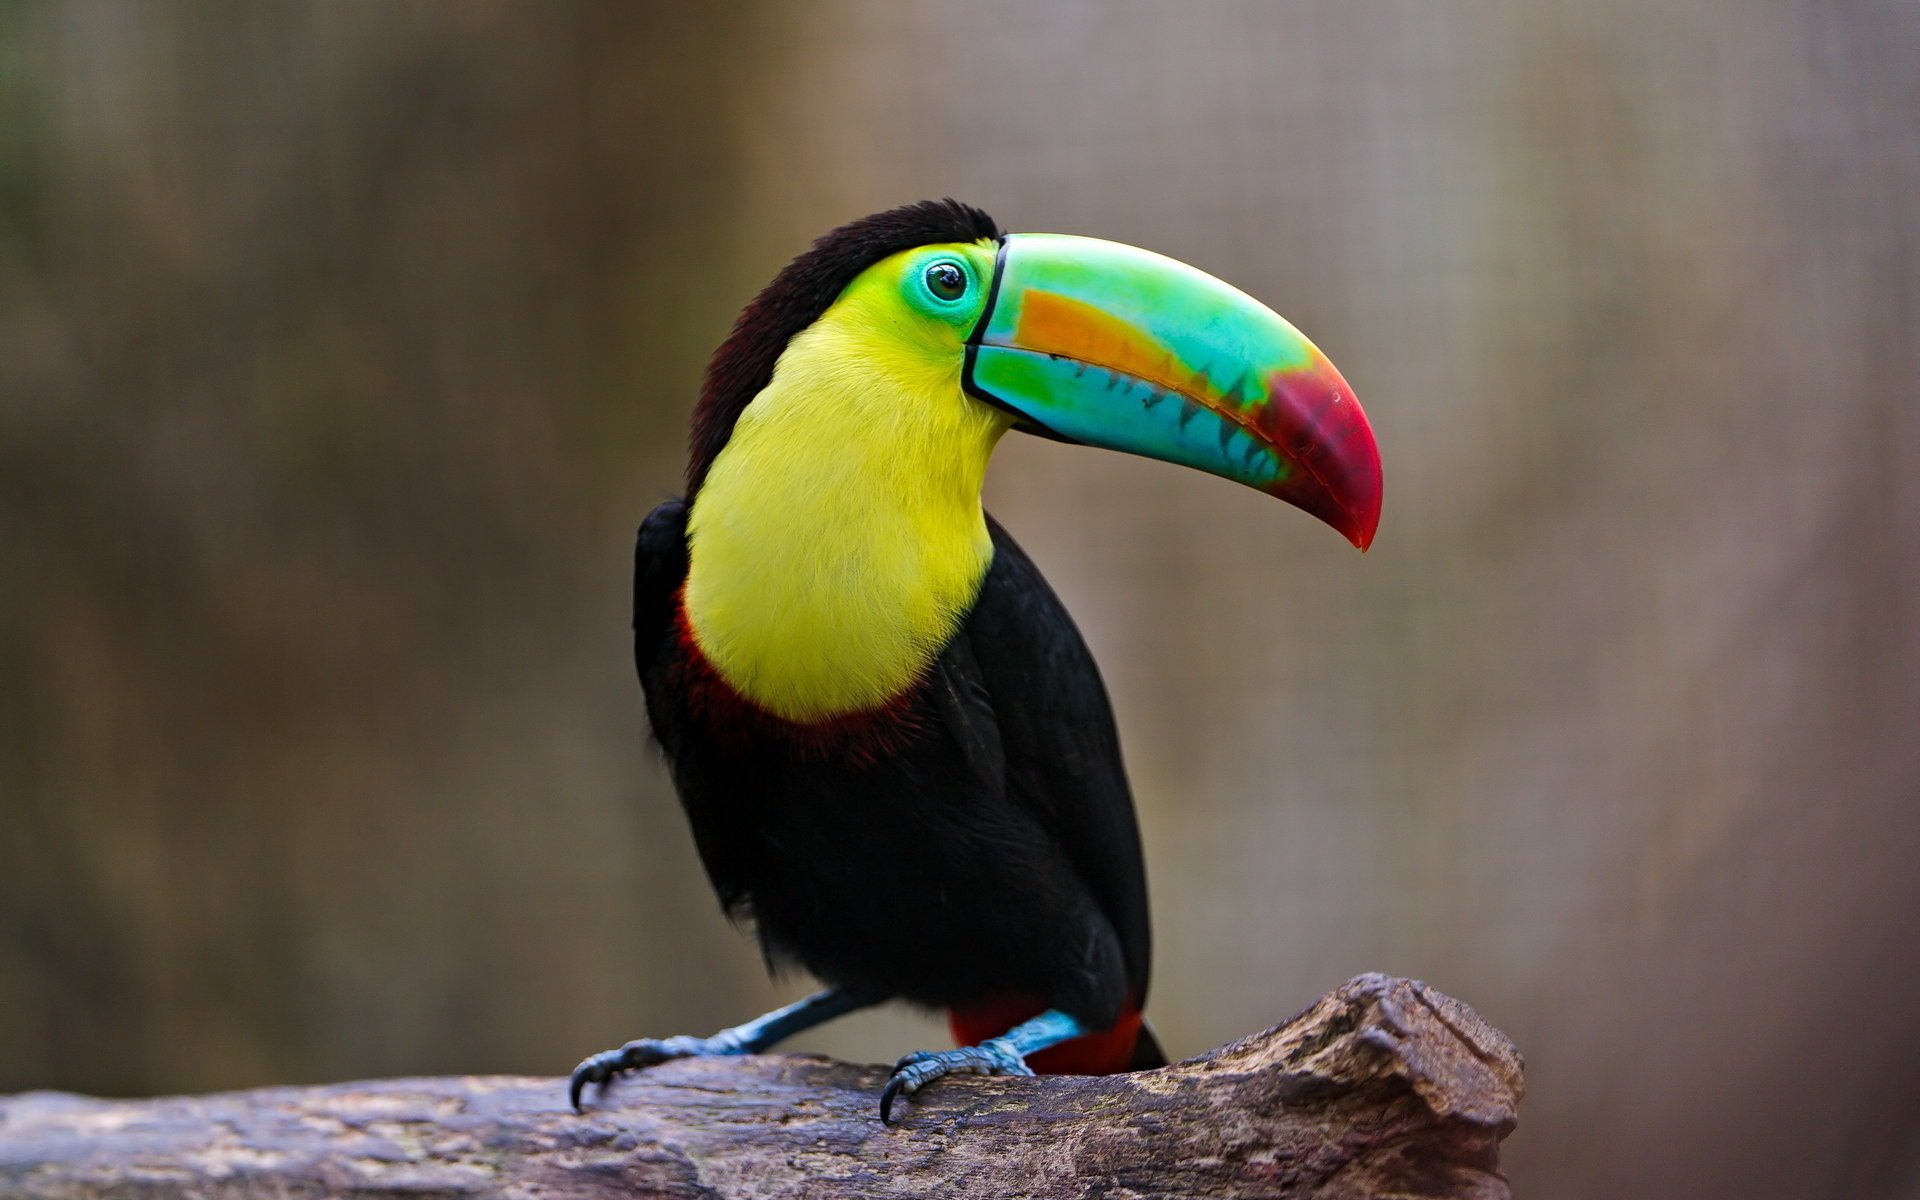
(915, 1071)
(595, 1068)
(641, 1052)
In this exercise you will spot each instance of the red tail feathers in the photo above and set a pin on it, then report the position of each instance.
(1107, 1052)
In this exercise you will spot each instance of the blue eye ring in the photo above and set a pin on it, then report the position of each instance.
(946, 281)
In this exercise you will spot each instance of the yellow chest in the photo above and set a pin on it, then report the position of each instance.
(838, 540)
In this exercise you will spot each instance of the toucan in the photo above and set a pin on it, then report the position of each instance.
(893, 747)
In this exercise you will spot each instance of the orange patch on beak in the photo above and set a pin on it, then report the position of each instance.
(1060, 325)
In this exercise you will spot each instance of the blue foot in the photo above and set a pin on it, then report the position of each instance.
(645, 1052)
(995, 1056)
(761, 1033)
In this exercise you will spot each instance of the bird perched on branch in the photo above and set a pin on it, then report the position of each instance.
(892, 744)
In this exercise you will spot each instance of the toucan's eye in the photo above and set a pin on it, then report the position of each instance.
(946, 280)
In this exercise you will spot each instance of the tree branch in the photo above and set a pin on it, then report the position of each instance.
(1384, 1087)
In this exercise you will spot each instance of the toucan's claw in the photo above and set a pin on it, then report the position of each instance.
(996, 1056)
(601, 1068)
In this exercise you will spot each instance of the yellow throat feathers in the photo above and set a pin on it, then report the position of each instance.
(838, 540)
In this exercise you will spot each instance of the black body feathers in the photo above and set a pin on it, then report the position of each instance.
(991, 851)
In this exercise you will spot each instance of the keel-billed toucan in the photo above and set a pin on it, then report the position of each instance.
(893, 746)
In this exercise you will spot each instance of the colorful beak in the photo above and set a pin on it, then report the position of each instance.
(1091, 341)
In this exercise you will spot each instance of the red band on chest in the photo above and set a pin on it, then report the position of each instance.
(858, 739)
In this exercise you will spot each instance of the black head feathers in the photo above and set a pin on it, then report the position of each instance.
(805, 288)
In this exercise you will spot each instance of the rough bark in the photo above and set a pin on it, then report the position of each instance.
(1384, 1087)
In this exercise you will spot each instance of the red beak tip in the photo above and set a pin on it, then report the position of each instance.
(1357, 507)
(1360, 534)
(1365, 528)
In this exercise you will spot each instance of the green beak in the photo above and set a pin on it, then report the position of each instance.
(1091, 341)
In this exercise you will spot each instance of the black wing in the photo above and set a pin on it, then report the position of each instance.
(1018, 684)
(659, 568)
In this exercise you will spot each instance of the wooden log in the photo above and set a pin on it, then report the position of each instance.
(1384, 1087)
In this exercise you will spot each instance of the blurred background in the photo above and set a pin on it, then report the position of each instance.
(343, 346)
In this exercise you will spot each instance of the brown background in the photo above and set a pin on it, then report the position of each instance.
(342, 346)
